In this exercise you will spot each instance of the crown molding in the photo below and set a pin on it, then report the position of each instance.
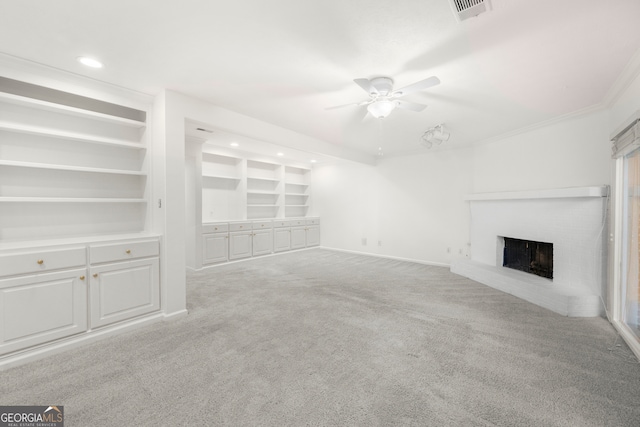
(630, 72)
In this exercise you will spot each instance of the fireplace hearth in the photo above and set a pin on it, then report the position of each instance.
(529, 256)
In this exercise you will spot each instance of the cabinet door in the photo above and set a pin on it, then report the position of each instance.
(240, 244)
(215, 248)
(313, 235)
(298, 237)
(281, 239)
(262, 242)
(124, 290)
(41, 308)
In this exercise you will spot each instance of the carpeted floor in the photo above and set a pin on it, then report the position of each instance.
(320, 337)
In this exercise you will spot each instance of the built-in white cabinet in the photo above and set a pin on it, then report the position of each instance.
(39, 308)
(125, 281)
(262, 238)
(305, 233)
(55, 292)
(244, 239)
(76, 252)
(281, 235)
(215, 243)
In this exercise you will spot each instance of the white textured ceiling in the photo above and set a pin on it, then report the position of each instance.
(285, 61)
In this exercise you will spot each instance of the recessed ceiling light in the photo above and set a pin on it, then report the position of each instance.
(234, 144)
(280, 154)
(313, 160)
(90, 62)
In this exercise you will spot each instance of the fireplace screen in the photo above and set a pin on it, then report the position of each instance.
(531, 257)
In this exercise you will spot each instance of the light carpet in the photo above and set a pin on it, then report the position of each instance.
(320, 337)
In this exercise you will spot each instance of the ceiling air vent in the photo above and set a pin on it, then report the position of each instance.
(465, 9)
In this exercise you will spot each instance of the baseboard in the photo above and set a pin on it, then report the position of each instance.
(417, 261)
(177, 314)
(84, 338)
(629, 337)
(234, 261)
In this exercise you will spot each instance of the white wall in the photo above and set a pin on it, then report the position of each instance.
(573, 152)
(413, 205)
(345, 198)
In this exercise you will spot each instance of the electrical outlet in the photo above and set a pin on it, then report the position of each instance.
(448, 250)
(379, 242)
(460, 251)
(364, 241)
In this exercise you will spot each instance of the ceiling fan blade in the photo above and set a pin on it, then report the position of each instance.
(366, 85)
(422, 84)
(342, 106)
(410, 106)
(350, 104)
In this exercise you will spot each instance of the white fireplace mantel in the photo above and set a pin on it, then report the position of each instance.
(556, 193)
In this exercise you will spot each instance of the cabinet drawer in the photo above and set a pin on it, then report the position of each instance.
(222, 227)
(313, 221)
(123, 251)
(262, 225)
(40, 261)
(239, 226)
(279, 223)
(297, 222)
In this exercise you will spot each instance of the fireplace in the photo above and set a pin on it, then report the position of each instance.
(573, 270)
(528, 256)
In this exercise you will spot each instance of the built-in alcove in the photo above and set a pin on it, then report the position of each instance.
(528, 256)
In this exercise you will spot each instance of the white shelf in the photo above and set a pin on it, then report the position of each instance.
(263, 206)
(69, 200)
(50, 106)
(263, 179)
(297, 194)
(296, 183)
(263, 193)
(228, 178)
(72, 136)
(69, 168)
(296, 206)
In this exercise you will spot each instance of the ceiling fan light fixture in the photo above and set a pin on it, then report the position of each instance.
(381, 109)
(435, 135)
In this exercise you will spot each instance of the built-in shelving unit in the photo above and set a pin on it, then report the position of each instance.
(296, 191)
(68, 171)
(263, 189)
(241, 188)
(76, 247)
(222, 189)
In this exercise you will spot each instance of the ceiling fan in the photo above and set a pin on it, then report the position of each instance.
(383, 99)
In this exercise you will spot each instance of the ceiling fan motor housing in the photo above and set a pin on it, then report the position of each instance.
(384, 85)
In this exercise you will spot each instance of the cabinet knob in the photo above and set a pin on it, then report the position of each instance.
(128, 251)
(240, 226)
(215, 228)
(40, 261)
(95, 275)
(81, 277)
